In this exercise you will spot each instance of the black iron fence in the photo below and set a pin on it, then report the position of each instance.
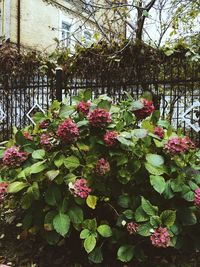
(176, 94)
(18, 96)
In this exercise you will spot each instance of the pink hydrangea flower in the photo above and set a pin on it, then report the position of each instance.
(159, 132)
(44, 124)
(147, 110)
(176, 145)
(99, 118)
(3, 190)
(132, 228)
(13, 157)
(110, 138)
(197, 197)
(160, 238)
(46, 141)
(68, 131)
(83, 107)
(27, 135)
(80, 188)
(102, 167)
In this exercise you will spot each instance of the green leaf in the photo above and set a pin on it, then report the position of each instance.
(189, 196)
(61, 223)
(141, 215)
(129, 214)
(87, 94)
(91, 201)
(104, 230)
(124, 201)
(168, 193)
(66, 111)
(15, 187)
(96, 256)
(90, 225)
(71, 163)
(139, 133)
(163, 123)
(125, 253)
(187, 216)
(52, 174)
(52, 237)
(84, 234)
(76, 214)
(38, 154)
(124, 141)
(148, 207)
(89, 243)
(34, 190)
(158, 183)
(145, 229)
(20, 139)
(155, 170)
(168, 217)
(137, 105)
(59, 161)
(48, 220)
(155, 221)
(53, 195)
(155, 160)
(104, 104)
(38, 167)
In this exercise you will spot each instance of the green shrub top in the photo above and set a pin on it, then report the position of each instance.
(115, 177)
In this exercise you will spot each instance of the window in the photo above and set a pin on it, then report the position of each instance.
(66, 38)
(88, 37)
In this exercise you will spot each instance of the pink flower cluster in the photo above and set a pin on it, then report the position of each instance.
(44, 124)
(80, 188)
(159, 132)
(13, 157)
(68, 131)
(99, 118)
(160, 238)
(46, 141)
(102, 167)
(147, 110)
(83, 107)
(197, 197)
(110, 138)
(3, 190)
(177, 145)
(132, 228)
(27, 135)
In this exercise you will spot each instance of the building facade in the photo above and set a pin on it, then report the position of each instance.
(45, 24)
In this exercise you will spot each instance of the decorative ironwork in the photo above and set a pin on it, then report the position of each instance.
(195, 126)
(31, 110)
(2, 115)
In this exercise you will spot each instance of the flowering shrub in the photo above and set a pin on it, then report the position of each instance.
(83, 107)
(99, 118)
(110, 138)
(102, 167)
(13, 157)
(68, 131)
(146, 110)
(159, 132)
(115, 189)
(177, 145)
(160, 238)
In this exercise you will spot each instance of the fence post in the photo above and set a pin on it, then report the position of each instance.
(59, 84)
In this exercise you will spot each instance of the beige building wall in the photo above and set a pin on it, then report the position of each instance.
(41, 23)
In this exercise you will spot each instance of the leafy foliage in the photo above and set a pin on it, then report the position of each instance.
(61, 195)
